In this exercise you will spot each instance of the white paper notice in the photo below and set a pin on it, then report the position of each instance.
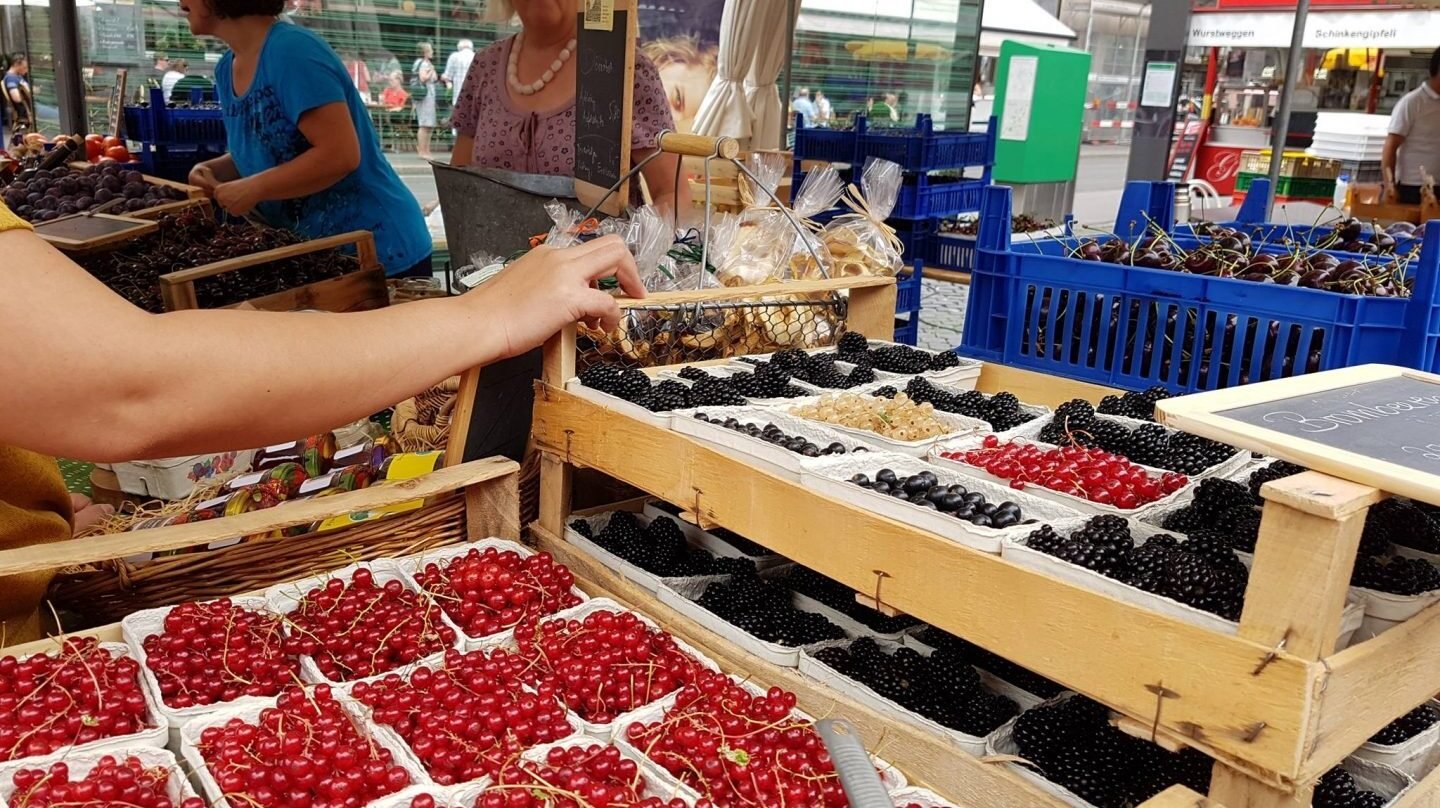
(1019, 96)
(1159, 85)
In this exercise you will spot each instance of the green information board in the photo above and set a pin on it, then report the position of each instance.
(1040, 111)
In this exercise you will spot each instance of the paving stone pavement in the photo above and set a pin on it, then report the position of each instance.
(942, 314)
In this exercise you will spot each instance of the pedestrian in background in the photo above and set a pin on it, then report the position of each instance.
(172, 77)
(804, 106)
(456, 67)
(424, 77)
(1412, 147)
(823, 112)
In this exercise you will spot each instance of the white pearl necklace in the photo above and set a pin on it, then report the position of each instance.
(512, 73)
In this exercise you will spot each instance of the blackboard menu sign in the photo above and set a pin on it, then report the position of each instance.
(604, 88)
(1373, 424)
(119, 36)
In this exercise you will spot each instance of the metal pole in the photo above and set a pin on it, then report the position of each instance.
(785, 78)
(1280, 130)
(69, 88)
(1089, 25)
(1132, 95)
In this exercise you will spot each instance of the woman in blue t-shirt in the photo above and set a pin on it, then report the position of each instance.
(302, 148)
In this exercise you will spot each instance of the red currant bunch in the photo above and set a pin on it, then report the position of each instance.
(110, 782)
(79, 695)
(488, 592)
(604, 665)
(423, 801)
(468, 718)
(363, 629)
(1092, 474)
(739, 749)
(305, 752)
(209, 653)
(594, 776)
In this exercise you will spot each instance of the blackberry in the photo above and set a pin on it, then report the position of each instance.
(1215, 547)
(1189, 579)
(1111, 531)
(622, 535)
(835, 657)
(1227, 598)
(1192, 454)
(1140, 406)
(632, 385)
(1150, 446)
(1214, 495)
(1045, 540)
(841, 598)
(1400, 522)
(1074, 768)
(1149, 565)
(901, 359)
(1337, 789)
(763, 609)
(984, 713)
(790, 358)
(601, 377)
(1155, 769)
(1076, 411)
(1184, 520)
(1278, 470)
(668, 395)
(944, 360)
(1407, 726)
(1112, 436)
(1397, 575)
(583, 528)
(862, 374)
(1112, 562)
(853, 342)
(886, 392)
(715, 393)
(693, 373)
(960, 649)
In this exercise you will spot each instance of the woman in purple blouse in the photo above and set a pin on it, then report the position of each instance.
(517, 110)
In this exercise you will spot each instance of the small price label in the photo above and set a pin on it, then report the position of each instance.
(599, 15)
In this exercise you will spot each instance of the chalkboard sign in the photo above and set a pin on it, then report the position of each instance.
(1373, 424)
(119, 36)
(604, 91)
(1185, 148)
(83, 232)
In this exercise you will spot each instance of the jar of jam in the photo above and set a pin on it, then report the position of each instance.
(410, 465)
(338, 481)
(288, 477)
(314, 454)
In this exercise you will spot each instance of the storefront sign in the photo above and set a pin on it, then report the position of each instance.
(1329, 29)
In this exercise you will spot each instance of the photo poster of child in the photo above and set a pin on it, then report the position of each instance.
(682, 38)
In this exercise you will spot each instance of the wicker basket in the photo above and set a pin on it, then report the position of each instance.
(422, 423)
(107, 591)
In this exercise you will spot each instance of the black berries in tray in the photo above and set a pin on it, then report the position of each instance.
(925, 491)
(841, 598)
(993, 664)
(942, 687)
(817, 369)
(659, 547)
(856, 349)
(1076, 424)
(773, 434)
(635, 386)
(762, 608)
(767, 381)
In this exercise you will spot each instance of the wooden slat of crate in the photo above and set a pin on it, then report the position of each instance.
(1117, 652)
(365, 290)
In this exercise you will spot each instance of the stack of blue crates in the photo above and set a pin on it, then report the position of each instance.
(174, 140)
(924, 199)
(1033, 305)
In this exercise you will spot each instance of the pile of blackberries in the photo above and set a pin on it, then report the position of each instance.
(768, 381)
(1001, 410)
(763, 609)
(1337, 789)
(773, 434)
(941, 687)
(1075, 424)
(1221, 509)
(1407, 726)
(730, 537)
(1140, 406)
(841, 598)
(659, 547)
(1073, 745)
(1402, 522)
(925, 490)
(854, 348)
(635, 386)
(1023, 678)
(1396, 575)
(817, 369)
(1204, 572)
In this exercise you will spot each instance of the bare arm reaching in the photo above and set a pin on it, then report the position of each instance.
(136, 385)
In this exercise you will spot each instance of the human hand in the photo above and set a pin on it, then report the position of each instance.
(238, 197)
(551, 288)
(1389, 194)
(203, 176)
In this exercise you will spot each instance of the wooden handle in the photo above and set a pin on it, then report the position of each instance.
(365, 249)
(699, 145)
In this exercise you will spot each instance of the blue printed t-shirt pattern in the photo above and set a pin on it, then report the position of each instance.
(298, 72)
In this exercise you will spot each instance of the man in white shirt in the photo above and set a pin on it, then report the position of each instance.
(1412, 149)
(803, 105)
(456, 68)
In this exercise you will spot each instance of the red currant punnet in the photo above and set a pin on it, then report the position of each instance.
(305, 752)
(81, 694)
(1090, 474)
(487, 592)
(110, 782)
(603, 665)
(364, 628)
(468, 718)
(579, 776)
(210, 653)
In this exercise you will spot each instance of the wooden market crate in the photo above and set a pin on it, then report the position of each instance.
(1276, 704)
(358, 290)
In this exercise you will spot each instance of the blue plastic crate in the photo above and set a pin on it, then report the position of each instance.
(923, 149)
(926, 197)
(908, 289)
(907, 330)
(1033, 306)
(915, 237)
(952, 251)
(830, 145)
(173, 163)
(160, 125)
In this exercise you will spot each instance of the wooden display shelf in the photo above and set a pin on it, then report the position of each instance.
(1274, 703)
(357, 290)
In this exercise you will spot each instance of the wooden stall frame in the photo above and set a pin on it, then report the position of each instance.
(362, 288)
(1275, 704)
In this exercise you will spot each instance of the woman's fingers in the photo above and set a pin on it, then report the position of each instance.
(597, 306)
(607, 257)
